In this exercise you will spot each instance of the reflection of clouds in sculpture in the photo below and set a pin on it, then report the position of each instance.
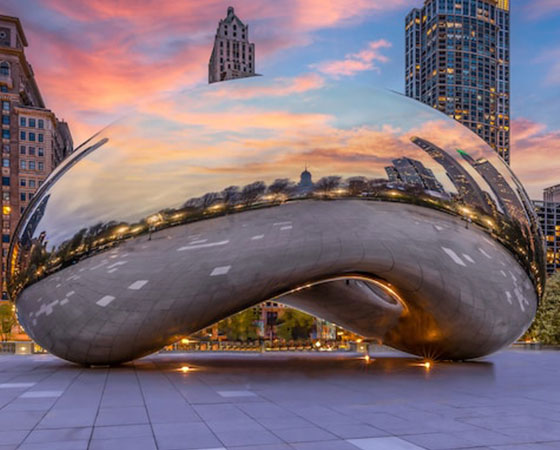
(208, 145)
(221, 166)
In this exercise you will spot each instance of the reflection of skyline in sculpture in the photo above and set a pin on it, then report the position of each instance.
(155, 245)
(33, 222)
(507, 198)
(305, 184)
(467, 188)
(413, 172)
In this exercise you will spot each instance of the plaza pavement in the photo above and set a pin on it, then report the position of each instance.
(280, 401)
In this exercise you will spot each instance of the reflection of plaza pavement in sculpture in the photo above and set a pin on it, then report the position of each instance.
(134, 299)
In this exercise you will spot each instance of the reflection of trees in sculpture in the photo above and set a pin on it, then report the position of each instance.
(240, 327)
(295, 325)
(235, 199)
(230, 195)
(328, 184)
(251, 192)
(281, 186)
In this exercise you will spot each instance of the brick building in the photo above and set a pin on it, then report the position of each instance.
(34, 141)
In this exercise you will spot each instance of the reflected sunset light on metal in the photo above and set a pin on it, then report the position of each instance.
(358, 205)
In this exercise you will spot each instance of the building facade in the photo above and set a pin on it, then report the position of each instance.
(548, 211)
(457, 60)
(34, 141)
(233, 56)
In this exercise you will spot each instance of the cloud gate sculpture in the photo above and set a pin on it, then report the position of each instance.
(362, 207)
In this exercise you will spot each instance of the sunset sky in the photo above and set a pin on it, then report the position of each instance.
(96, 60)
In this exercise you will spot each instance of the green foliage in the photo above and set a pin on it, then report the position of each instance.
(295, 325)
(7, 319)
(546, 327)
(240, 327)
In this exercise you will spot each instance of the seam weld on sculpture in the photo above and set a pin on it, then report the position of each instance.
(404, 226)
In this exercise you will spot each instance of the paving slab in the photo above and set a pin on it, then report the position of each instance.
(301, 401)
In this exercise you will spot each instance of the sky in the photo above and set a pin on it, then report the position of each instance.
(98, 60)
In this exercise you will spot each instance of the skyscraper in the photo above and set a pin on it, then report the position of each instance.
(34, 141)
(233, 56)
(457, 60)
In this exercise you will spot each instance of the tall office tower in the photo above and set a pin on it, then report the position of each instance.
(34, 141)
(233, 56)
(457, 60)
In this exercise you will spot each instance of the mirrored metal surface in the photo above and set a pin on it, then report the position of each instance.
(361, 206)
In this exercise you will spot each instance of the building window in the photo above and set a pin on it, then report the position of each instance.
(5, 181)
(6, 238)
(3, 88)
(31, 165)
(40, 136)
(4, 68)
(32, 123)
(22, 122)
(5, 134)
(6, 148)
(6, 119)
(22, 135)
(22, 196)
(5, 162)
(6, 106)
(23, 164)
(31, 183)
(40, 151)
(22, 182)
(41, 166)
(32, 151)
(32, 136)
(22, 149)
(41, 123)
(6, 196)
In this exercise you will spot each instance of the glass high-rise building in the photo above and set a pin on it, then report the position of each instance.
(457, 60)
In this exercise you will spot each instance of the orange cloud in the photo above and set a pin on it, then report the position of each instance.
(535, 151)
(95, 59)
(356, 62)
(281, 88)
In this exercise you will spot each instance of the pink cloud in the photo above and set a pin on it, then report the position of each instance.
(535, 151)
(536, 9)
(353, 63)
(281, 87)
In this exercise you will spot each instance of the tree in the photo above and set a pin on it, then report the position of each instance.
(7, 319)
(295, 325)
(240, 327)
(546, 327)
